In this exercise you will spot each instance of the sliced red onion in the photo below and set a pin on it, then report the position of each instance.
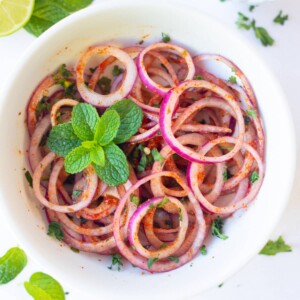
(56, 107)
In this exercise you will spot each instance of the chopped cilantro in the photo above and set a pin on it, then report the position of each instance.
(274, 247)
(251, 113)
(180, 215)
(135, 199)
(117, 71)
(252, 7)
(163, 202)
(174, 258)
(165, 37)
(280, 18)
(163, 245)
(76, 193)
(104, 84)
(28, 178)
(254, 177)
(151, 261)
(217, 228)
(54, 229)
(156, 155)
(203, 250)
(232, 79)
(116, 261)
(199, 77)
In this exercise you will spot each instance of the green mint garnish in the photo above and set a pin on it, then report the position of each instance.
(116, 261)
(135, 199)
(274, 247)
(104, 84)
(54, 229)
(88, 138)
(117, 71)
(46, 13)
(11, 264)
(254, 177)
(165, 37)
(280, 18)
(217, 228)
(203, 250)
(151, 261)
(43, 286)
(28, 178)
(174, 258)
(163, 202)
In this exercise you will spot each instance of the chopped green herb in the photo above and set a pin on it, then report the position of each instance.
(217, 228)
(142, 163)
(247, 120)
(76, 193)
(11, 264)
(242, 21)
(199, 77)
(225, 175)
(156, 155)
(251, 113)
(274, 247)
(54, 229)
(180, 215)
(184, 200)
(232, 79)
(61, 73)
(280, 18)
(104, 84)
(151, 261)
(42, 106)
(75, 250)
(151, 206)
(252, 7)
(254, 177)
(135, 199)
(163, 245)
(174, 258)
(165, 37)
(220, 285)
(203, 250)
(28, 178)
(116, 261)
(117, 71)
(163, 202)
(233, 70)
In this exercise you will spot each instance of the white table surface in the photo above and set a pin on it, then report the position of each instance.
(264, 277)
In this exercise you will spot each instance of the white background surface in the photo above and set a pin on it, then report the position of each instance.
(264, 277)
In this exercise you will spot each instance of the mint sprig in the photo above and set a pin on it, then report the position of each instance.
(88, 138)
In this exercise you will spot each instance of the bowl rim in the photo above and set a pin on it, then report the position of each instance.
(30, 250)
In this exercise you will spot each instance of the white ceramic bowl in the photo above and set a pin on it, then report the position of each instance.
(126, 21)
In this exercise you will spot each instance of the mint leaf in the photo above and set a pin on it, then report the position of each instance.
(48, 12)
(11, 264)
(116, 170)
(131, 117)
(54, 229)
(84, 121)
(98, 157)
(62, 139)
(272, 248)
(77, 160)
(43, 286)
(107, 127)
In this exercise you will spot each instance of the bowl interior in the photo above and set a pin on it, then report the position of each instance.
(125, 23)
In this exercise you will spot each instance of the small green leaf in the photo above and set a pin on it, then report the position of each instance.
(62, 139)
(203, 250)
(199, 77)
(225, 177)
(84, 121)
(42, 286)
(151, 261)
(135, 199)
(131, 117)
(251, 113)
(254, 177)
(116, 261)
(179, 214)
(107, 127)
(54, 229)
(117, 71)
(104, 84)
(165, 37)
(76, 193)
(77, 160)
(98, 157)
(28, 178)
(116, 170)
(263, 35)
(156, 155)
(232, 79)
(217, 228)
(11, 264)
(274, 247)
(280, 18)
(163, 202)
(174, 258)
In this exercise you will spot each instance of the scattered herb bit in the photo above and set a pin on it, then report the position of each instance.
(242, 21)
(83, 220)
(174, 258)
(151, 206)
(42, 106)
(180, 215)
(225, 177)
(43, 286)
(203, 250)
(274, 247)
(151, 261)
(116, 261)
(252, 7)
(233, 70)
(76, 193)
(54, 229)
(220, 285)
(199, 77)
(142, 163)
(184, 200)
(254, 177)
(141, 42)
(67, 293)
(11, 264)
(163, 245)
(156, 155)
(247, 120)
(104, 84)
(61, 73)
(165, 37)
(226, 147)
(117, 71)
(163, 202)
(28, 178)
(75, 250)
(46, 13)
(251, 113)
(217, 228)
(135, 199)
(232, 79)
(280, 18)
